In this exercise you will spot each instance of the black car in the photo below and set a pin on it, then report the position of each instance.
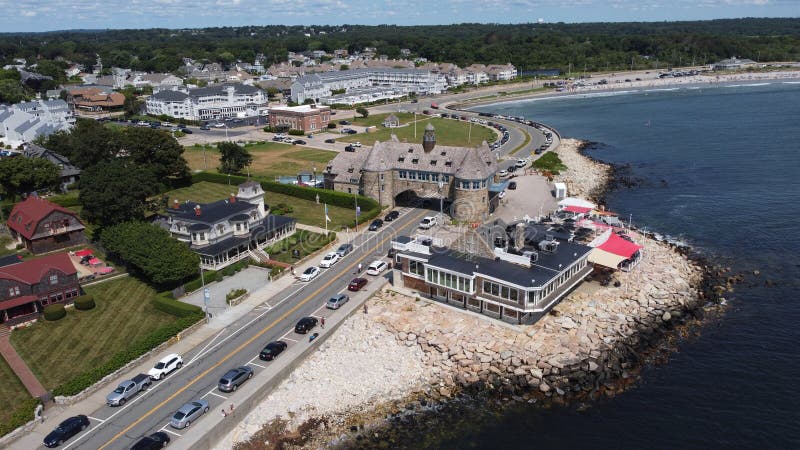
(272, 350)
(344, 122)
(299, 142)
(154, 441)
(205, 128)
(305, 324)
(349, 148)
(66, 430)
(330, 141)
(391, 216)
(185, 131)
(512, 185)
(377, 223)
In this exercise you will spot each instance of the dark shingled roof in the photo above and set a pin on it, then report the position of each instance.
(210, 213)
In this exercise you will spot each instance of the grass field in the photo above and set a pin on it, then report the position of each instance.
(270, 159)
(305, 241)
(12, 392)
(59, 351)
(448, 132)
(305, 211)
(377, 119)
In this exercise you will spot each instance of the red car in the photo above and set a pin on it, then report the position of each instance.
(357, 284)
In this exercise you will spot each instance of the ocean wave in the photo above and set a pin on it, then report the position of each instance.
(790, 82)
(747, 85)
(663, 89)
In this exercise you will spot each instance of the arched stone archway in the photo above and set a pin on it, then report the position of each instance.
(411, 198)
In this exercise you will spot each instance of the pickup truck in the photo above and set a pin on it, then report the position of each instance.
(128, 389)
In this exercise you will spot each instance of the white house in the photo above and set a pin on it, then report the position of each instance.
(25, 121)
(219, 101)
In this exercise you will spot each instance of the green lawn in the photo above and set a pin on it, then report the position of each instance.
(59, 351)
(377, 119)
(448, 132)
(12, 392)
(305, 211)
(305, 241)
(270, 159)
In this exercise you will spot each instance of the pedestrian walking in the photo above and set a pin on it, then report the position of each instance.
(224, 414)
(293, 274)
(365, 308)
(359, 267)
(322, 321)
(231, 408)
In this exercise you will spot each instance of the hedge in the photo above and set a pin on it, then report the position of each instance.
(164, 303)
(84, 303)
(123, 357)
(54, 312)
(197, 283)
(297, 132)
(23, 414)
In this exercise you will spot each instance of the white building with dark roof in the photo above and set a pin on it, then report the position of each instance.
(25, 121)
(215, 102)
(319, 87)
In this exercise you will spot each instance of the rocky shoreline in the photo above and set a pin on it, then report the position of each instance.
(590, 346)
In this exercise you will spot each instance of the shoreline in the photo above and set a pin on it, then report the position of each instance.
(593, 345)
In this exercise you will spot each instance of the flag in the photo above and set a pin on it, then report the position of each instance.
(358, 211)
(327, 219)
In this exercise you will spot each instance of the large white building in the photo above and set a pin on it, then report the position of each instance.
(209, 103)
(23, 122)
(319, 87)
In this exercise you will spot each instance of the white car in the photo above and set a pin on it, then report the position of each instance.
(503, 173)
(219, 125)
(329, 260)
(521, 163)
(166, 365)
(310, 273)
(376, 267)
(288, 140)
(356, 144)
(428, 222)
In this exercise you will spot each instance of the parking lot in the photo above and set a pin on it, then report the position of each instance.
(532, 197)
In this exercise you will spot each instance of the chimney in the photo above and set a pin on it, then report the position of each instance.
(197, 210)
(232, 198)
(519, 236)
(176, 204)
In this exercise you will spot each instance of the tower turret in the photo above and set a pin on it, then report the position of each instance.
(429, 138)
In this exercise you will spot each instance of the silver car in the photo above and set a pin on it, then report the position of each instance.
(337, 301)
(234, 378)
(188, 412)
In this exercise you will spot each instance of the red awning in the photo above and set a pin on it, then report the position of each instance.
(619, 246)
(8, 304)
(95, 262)
(83, 252)
(577, 209)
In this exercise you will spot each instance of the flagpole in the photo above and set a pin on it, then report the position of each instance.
(326, 220)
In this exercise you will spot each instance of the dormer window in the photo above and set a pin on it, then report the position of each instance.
(448, 163)
(433, 162)
(415, 161)
(411, 150)
(401, 159)
(444, 153)
(350, 170)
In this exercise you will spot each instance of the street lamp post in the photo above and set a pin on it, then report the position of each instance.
(314, 170)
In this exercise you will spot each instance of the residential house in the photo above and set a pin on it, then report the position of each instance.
(28, 286)
(476, 74)
(503, 72)
(69, 173)
(734, 63)
(25, 121)
(95, 99)
(42, 226)
(219, 101)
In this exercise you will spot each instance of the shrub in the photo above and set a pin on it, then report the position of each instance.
(164, 303)
(197, 283)
(84, 303)
(297, 132)
(23, 413)
(234, 293)
(331, 125)
(54, 312)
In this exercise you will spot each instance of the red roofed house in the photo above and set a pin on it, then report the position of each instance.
(26, 287)
(44, 226)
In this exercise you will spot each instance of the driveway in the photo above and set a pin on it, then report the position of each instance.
(251, 278)
(531, 197)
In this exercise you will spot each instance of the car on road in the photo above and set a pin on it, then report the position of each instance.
(278, 139)
(234, 378)
(299, 142)
(330, 141)
(66, 430)
(337, 301)
(165, 365)
(428, 222)
(155, 441)
(344, 249)
(310, 273)
(128, 389)
(391, 216)
(305, 325)
(377, 267)
(356, 284)
(377, 223)
(512, 185)
(344, 122)
(329, 260)
(356, 144)
(503, 173)
(219, 125)
(185, 130)
(188, 413)
(521, 163)
(205, 128)
(272, 350)
(349, 148)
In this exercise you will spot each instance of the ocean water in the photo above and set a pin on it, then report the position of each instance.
(719, 168)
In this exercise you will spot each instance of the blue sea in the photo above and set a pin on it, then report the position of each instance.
(719, 168)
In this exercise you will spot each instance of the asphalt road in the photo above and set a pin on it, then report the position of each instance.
(238, 344)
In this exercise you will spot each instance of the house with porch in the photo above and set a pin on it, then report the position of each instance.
(42, 226)
(28, 286)
(231, 229)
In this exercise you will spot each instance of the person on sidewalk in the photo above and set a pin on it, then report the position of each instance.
(293, 273)
(365, 308)
(322, 322)
(359, 267)
(224, 414)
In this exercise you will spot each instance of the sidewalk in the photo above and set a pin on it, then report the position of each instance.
(19, 367)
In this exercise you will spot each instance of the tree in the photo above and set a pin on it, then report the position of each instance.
(87, 144)
(13, 91)
(363, 111)
(151, 251)
(233, 157)
(116, 191)
(157, 150)
(21, 175)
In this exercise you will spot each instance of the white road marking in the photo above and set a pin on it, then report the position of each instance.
(256, 364)
(204, 348)
(211, 392)
(164, 429)
(95, 418)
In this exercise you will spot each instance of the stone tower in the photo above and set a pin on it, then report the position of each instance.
(429, 138)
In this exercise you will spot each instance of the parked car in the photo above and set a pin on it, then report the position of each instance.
(349, 148)
(344, 249)
(356, 284)
(205, 128)
(278, 139)
(428, 222)
(299, 142)
(66, 430)
(337, 301)
(234, 378)
(272, 350)
(330, 141)
(155, 441)
(512, 185)
(344, 122)
(185, 130)
(188, 413)
(310, 273)
(521, 163)
(165, 365)
(356, 144)
(377, 223)
(219, 125)
(503, 173)
(329, 260)
(128, 389)
(305, 324)
(391, 216)
(377, 267)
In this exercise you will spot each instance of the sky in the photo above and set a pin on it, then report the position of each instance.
(47, 15)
